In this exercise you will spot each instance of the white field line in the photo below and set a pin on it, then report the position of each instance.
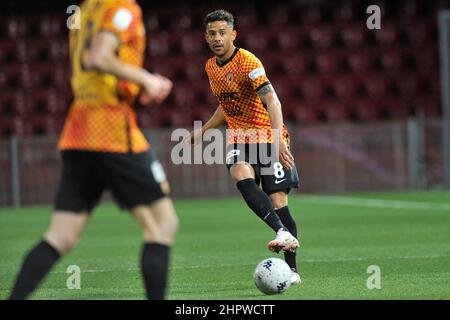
(376, 203)
(350, 259)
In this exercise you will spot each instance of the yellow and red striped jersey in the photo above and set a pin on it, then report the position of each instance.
(235, 84)
(101, 117)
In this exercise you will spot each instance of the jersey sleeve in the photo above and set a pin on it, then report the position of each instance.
(254, 70)
(123, 20)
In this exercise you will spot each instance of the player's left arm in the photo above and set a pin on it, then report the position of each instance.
(270, 99)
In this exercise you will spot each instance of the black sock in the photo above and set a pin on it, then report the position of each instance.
(35, 267)
(155, 265)
(260, 203)
(289, 222)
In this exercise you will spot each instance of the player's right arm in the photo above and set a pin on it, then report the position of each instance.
(215, 121)
(102, 56)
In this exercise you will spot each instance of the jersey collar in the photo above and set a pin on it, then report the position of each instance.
(229, 59)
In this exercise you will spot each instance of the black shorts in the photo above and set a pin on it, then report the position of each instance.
(133, 179)
(268, 171)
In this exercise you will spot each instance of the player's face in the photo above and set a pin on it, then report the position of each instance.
(220, 36)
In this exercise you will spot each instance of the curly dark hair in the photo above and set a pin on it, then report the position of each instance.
(219, 15)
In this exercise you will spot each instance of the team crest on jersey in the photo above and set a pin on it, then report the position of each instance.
(230, 77)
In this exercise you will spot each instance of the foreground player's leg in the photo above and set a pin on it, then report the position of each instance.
(159, 223)
(62, 235)
(244, 176)
(280, 200)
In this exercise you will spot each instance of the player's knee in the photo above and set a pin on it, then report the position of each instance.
(279, 200)
(63, 242)
(241, 172)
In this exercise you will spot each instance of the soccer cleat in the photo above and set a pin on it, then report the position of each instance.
(295, 278)
(283, 241)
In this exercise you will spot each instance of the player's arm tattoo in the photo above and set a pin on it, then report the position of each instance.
(268, 95)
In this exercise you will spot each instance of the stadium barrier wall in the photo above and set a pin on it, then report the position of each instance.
(331, 158)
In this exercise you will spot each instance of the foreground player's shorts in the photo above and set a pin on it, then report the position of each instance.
(133, 179)
(268, 171)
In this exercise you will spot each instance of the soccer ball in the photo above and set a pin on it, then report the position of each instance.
(272, 276)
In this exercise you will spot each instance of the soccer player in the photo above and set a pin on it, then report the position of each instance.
(247, 101)
(102, 146)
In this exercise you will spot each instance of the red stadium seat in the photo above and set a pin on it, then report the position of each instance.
(361, 61)
(344, 88)
(16, 27)
(343, 12)
(322, 36)
(408, 85)
(392, 60)
(255, 41)
(397, 108)
(313, 89)
(50, 26)
(306, 113)
(297, 65)
(387, 35)
(375, 86)
(184, 95)
(417, 32)
(290, 38)
(366, 109)
(192, 43)
(328, 62)
(335, 111)
(311, 14)
(8, 52)
(353, 35)
(159, 44)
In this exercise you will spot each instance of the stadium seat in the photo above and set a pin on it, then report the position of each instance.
(387, 35)
(7, 51)
(313, 89)
(328, 63)
(311, 14)
(408, 84)
(16, 27)
(375, 86)
(353, 36)
(290, 38)
(392, 60)
(416, 32)
(397, 108)
(344, 87)
(366, 109)
(361, 61)
(50, 26)
(192, 43)
(159, 44)
(306, 113)
(322, 36)
(335, 111)
(254, 41)
(343, 12)
(297, 65)
(184, 95)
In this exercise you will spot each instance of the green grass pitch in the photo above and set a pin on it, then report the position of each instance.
(220, 242)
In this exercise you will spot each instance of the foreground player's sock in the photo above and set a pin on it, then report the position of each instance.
(289, 222)
(260, 203)
(35, 267)
(155, 265)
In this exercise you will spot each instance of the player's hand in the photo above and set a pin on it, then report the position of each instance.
(156, 88)
(285, 157)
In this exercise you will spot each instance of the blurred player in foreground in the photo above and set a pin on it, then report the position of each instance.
(102, 146)
(248, 101)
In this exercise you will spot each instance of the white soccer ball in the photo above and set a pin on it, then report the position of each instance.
(272, 276)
